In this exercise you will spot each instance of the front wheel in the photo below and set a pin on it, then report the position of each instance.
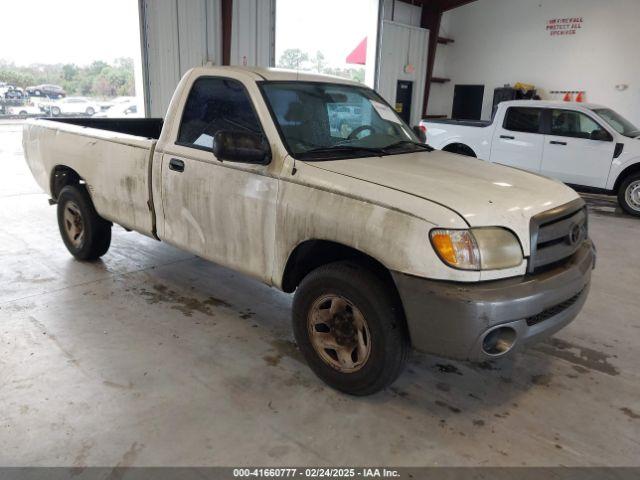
(90, 111)
(629, 194)
(55, 111)
(86, 235)
(349, 328)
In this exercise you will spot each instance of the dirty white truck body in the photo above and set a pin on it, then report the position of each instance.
(262, 220)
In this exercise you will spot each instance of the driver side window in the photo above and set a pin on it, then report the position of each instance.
(216, 104)
(568, 123)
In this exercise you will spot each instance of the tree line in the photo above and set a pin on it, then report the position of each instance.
(296, 59)
(99, 79)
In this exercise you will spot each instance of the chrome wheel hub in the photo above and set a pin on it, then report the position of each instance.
(73, 225)
(339, 333)
(632, 195)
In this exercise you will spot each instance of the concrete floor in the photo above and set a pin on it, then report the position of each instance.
(155, 357)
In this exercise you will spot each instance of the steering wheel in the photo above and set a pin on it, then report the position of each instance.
(354, 134)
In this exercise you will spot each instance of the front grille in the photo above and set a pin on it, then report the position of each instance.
(553, 311)
(557, 234)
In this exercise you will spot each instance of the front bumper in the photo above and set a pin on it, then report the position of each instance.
(452, 319)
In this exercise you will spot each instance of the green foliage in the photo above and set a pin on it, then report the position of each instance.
(318, 62)
(296, 59)
(100, 79)
(292, 58)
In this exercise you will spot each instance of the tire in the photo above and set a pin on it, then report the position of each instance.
(90, 237)
(55, 111)
(362, 291)
(24, 113)
(629, 194)
(90, 111)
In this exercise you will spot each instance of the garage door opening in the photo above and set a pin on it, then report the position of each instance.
(333, 37)
(79, 60)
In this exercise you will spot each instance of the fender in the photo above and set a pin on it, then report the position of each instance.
(620, 168)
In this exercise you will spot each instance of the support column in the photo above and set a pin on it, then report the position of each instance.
(227, 13)
(430, 19)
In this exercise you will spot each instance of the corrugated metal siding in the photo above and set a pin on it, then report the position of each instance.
(253, 33)
(400, 45)
(177, 35)
(402, 12)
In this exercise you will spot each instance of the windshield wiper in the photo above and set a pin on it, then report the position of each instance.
(401, 143)
(344, 149)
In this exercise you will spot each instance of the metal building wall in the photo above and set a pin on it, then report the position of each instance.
(176, 35)
(253, 33)
(403, 45)
(180, 34)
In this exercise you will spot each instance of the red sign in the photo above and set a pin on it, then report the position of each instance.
(564, 26)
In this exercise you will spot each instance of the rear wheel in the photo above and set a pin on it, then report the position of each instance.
(90, 111)
(349, 329)
(86, 235)
(55, 111)
(629, 194)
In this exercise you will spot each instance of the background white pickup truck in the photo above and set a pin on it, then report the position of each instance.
(386, 242)
(584, 145)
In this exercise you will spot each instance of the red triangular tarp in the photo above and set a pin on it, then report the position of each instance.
(359, 54)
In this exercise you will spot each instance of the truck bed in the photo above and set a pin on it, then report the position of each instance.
(460, 123)
(140, 127)
(111, 156)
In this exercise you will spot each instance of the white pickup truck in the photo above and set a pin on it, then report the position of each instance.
(588, 146)
(387, 243)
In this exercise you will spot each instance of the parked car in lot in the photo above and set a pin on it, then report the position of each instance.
(11, 92)
(121, 110)
(24, 110)
(387, 243)
(104, 106)
(71, 106)
(584, 145)
(47, 90)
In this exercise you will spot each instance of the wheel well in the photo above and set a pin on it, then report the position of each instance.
(460, 149)
(61, 177)
(625, 173)
(312, 254)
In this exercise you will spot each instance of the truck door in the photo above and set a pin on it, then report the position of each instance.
(221, 211)
(577, 149)
(518, 141)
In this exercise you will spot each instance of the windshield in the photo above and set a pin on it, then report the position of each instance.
(320, 121)
(617, 122)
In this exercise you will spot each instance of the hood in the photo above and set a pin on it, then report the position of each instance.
(482, 193)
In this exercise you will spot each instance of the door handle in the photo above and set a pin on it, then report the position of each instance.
(555, 142)
(507, 137)
(176, 165)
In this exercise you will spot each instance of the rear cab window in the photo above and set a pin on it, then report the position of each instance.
(523, 119)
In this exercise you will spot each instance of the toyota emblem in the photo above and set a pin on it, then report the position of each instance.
(575, 234)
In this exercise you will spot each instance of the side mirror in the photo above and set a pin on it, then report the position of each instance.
(601, 135)
(243, 147)
(420, 133)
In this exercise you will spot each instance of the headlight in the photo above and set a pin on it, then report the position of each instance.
(485, 248)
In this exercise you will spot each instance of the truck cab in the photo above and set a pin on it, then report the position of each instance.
(385, 242)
